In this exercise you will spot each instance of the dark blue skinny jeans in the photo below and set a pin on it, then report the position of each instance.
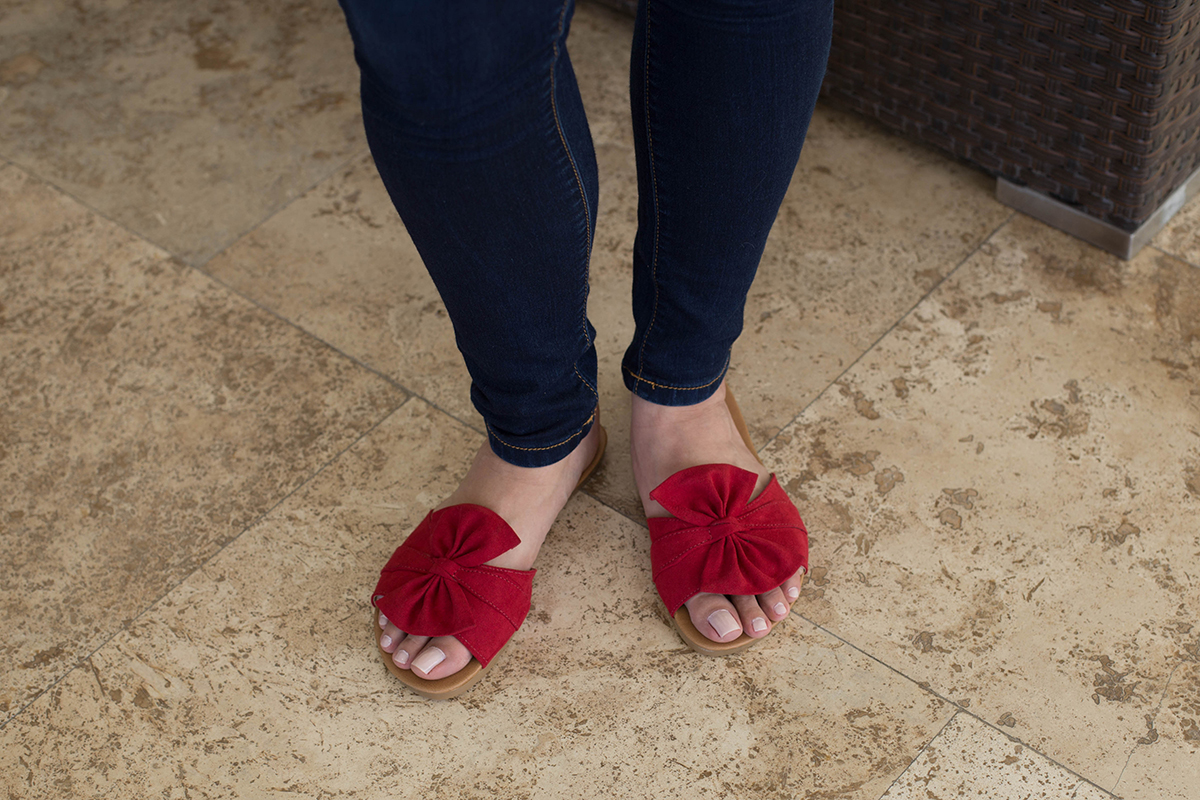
(475, 122)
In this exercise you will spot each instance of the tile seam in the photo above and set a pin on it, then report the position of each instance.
(277, 210)
(924, 747)
(1169, 254)
(86, 659)
(353, 359)
(167, 252)
(928, 688)
(890, 328)
(1153, 723)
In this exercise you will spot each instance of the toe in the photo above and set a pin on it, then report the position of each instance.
(792, 586)
(407, 649)
(775, 604)
(390, 637)
(754, 620)
(715, 617)
(442, 656)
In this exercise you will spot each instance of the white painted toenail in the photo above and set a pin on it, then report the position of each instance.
(401, 657)
(780, 609)
(759, 624)
(382, 621)
(723, 622)
(793, 593)
(430, 657)
(385, 641)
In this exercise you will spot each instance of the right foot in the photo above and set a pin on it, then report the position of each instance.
(529, 500)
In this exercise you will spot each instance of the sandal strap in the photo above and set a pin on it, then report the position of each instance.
(438, 584)
(721, 541)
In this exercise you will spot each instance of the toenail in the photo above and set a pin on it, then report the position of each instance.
(382, 621)
(723, 622)
(385, 641)
(430, 657)
(793, 592)
(401, 657)
(759, 624)
(780, 609)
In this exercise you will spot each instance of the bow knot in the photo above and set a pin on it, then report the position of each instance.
(721, 540)
(446, 567)
(435, 584)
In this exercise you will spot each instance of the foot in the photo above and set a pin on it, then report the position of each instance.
(529, 500)
(667, 439)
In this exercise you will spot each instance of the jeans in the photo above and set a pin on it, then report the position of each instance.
(476, 125)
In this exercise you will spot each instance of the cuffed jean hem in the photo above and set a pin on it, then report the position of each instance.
(665, 392)
(530, 453)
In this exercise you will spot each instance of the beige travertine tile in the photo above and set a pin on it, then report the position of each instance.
(1181, 236)
(1166, 760)
(969, 759)
(258, 674)
(186, 122)
(870, 224)
(1003, 493)
(149, 416)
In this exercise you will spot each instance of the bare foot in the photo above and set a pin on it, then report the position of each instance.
(665, 439)
(528, 499)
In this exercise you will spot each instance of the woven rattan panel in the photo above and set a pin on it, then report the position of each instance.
(1092, 103)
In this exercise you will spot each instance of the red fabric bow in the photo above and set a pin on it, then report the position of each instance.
(437, 584)
(720, 540)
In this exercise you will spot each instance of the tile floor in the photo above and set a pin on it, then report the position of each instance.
(230, 390)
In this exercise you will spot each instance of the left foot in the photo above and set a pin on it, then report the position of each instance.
(667, 439)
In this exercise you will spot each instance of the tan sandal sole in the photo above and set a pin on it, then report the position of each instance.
(682, 621)
(452, 686)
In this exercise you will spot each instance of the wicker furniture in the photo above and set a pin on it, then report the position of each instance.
(1088, 113)
(1091, 107)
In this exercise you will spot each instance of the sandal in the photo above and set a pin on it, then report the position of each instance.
(719, 540)
(437, 584)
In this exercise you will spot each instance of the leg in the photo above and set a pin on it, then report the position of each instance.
(476, 125)
(722, 93)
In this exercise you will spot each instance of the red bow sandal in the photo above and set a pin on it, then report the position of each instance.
(438, 584)
(719, 540)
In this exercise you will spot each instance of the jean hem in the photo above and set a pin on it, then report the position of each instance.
(530, 453)
(664, 392)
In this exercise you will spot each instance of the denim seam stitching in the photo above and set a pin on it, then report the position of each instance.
(587, 217)
(492, 433)
(654, 200)
(639, 378)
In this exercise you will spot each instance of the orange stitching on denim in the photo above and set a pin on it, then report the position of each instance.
(639, 378)
(654, 195)
(584, 381)
(492, 433)
(587, 224)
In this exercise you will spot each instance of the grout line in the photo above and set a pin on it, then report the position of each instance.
(920, 752)
(92, 209)
(146, 237)
(928, 688)
(272, 213)
(1175, 256)
(152, 604)
(891, 328)
(1152, 723)
(353, 359)
(639, 521)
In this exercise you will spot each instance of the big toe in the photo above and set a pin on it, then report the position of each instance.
(441, 657)
(715, 617)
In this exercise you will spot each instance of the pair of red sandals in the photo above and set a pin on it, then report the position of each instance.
(719, 540)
